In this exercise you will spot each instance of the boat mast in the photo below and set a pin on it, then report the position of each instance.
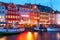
(51, 13)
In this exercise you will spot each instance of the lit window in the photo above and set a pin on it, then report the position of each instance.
(24, 15)
(35, 6)
(29, 21)
(11, 16)
(16, 16)
(6, 16)
(9, 22)
(17, 21)
(4, 24)
(2, 16)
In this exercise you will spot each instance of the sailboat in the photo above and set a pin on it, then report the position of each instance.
(8, 31)
(11, 31)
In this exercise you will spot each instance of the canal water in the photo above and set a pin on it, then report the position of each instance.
(33, 36)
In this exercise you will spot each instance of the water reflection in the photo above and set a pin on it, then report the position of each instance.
(3, 38)
(25, 36)
(29, 36)
(37, 36)
(58, 36)
(33, 36)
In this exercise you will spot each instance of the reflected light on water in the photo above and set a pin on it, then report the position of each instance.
(29, 36)
(35, 36)
(29, 33)
(22, 36)
(25, 36)
(58, 36)
(3, 38)
(35, 33)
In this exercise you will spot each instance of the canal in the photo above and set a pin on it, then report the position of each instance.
(33, 36)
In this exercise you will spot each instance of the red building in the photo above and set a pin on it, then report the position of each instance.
(12, 15)
(34, 15)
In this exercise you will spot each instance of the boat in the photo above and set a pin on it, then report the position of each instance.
(40, 28)
(37, 29)
(53, 29)
(11, 31)
(29, 29)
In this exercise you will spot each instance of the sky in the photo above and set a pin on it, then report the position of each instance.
(55, 3)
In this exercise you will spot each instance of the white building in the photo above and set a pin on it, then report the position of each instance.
(58, 18)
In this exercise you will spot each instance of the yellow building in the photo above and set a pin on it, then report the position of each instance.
(44, 19)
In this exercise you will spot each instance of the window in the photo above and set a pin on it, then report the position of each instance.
(9, 8)
(2, 16)
(8, 16)
(9, 21)
(35, 6)
(11, 16)
(2, 11)
(2, 7)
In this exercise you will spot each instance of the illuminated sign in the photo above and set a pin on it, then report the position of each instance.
(24, 15)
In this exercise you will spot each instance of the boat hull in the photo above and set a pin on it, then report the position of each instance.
(11, 31)
(53, 29)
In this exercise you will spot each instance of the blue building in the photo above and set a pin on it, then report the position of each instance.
(2, 14)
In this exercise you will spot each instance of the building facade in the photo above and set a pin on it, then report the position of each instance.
(26, 15)
(57, 19)
(2, 14)
(44, 19)
(12, 15)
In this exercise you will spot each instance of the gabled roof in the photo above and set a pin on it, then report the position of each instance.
(11, 5)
